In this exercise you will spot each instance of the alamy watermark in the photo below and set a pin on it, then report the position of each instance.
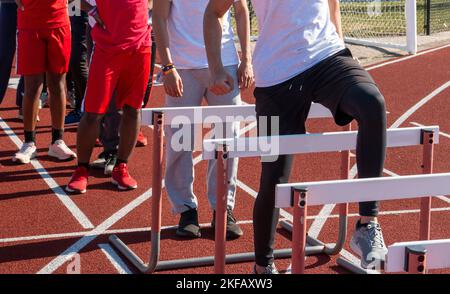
(187, 134)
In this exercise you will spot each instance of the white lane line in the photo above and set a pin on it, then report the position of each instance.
(107, 232)
(319, 222)
(205, 225)
(419, 104)
(440, 133)
(59, 192)
(114, 258)
(406, 58)
(253, 193)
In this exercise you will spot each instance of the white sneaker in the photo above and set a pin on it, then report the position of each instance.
(26, 153)
(60, 150)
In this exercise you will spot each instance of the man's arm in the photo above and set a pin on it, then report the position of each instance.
(221, 81)
(172, 81)
(150, 4)
(335, 14)
(245, 72)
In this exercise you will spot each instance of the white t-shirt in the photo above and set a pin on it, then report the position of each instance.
(187, 46)
(294, 35)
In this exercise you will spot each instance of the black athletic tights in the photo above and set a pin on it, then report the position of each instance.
(360, 101)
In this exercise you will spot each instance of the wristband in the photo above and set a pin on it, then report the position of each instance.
(168, 68)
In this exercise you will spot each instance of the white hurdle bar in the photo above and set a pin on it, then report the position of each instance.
(160, 117)
(223, 149)
(418, 257)
(200, 115)
(301, 195)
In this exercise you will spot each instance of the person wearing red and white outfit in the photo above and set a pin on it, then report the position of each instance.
(120, 63)
(44, 44)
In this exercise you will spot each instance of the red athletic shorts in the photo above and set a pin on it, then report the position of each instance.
(43, 50)
(126, 74)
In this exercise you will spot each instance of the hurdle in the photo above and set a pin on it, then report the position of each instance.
(223, 149)
(301, 195)
(158, 118)
(418, 257)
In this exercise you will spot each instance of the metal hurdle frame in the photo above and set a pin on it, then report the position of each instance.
(417, 257)
(301, 195)
(159, 117)
(428, 136)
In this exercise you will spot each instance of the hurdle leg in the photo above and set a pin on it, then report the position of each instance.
(157, 156)
(299, 231)
(416, 260)
(221, 210)
(425, 202)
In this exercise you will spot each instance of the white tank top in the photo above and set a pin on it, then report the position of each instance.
(294, 35)
(187, 46)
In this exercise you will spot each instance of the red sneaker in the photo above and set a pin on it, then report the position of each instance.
(122, 179)
(141, 140)
(78, 182)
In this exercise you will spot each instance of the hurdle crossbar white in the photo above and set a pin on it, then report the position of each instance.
(418, 256)
(309, 143)
(302, 195)
(206, 114)
(361, 190)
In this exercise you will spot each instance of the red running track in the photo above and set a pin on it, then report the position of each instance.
(39, 227)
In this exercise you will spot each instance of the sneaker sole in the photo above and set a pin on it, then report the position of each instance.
(122, 188)
(19, 160)
(185, 234)
(75, 191)
(52, 154)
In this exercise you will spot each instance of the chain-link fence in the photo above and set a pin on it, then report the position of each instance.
(385, 18)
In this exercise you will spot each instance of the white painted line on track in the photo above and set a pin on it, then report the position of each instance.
(407, 57)
(419, 104)
(59, 192)
(114, 259)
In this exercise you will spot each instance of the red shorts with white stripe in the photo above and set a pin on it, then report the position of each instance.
(43, 50)
(124, 74)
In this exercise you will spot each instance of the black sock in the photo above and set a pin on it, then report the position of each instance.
(57, 135)
(83, 164)
(119, 161)
(30, 137)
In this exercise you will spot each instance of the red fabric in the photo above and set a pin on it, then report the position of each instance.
(39, 14)
(126, 24)
(126, 74)
(44, 50)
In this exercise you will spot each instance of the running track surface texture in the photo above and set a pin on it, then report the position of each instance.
(41, 227)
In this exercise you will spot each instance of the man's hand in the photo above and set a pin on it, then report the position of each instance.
(173, 85)
(245, 75)
(20, 5)
(221, 82)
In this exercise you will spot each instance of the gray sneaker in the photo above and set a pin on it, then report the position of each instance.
(268, 270)
(367, 241)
